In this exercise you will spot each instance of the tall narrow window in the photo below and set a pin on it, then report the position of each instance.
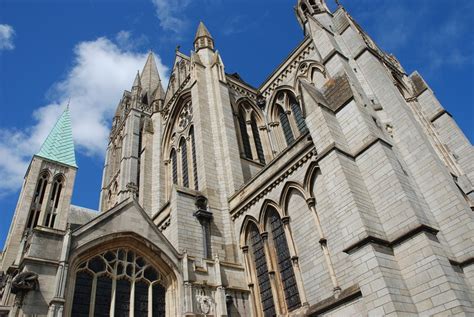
(121, 278)
(193, 152)
(184, 162)
(52, 209)
(300, 123)
(258, 141)
(258, 252)
(285, 265)
(174, 166)
(285, 125)
(244, 135)
(37, 202)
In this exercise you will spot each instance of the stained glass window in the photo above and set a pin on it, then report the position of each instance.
(82, 294)
(184, 162)
(113, 274)
(258, 252)
(174, 166)
(244, 135)
(258, 142)
(285, 125)
(284, 262)
(295, 108)
(193, 152)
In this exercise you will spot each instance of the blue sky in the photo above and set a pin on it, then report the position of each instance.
(89, 51)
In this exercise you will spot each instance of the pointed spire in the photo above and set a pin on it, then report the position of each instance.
(203, 38)
(202, 31)
(59, 145)
(137, 81)
(150, 76)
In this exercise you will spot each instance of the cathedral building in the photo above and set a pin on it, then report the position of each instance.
(338, 187)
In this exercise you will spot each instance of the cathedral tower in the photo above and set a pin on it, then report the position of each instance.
(121, 177)
(46, 193)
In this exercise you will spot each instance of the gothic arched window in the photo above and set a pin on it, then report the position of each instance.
(285, 265)
(184, 162)
(300, 123)
(37, 202)
(288, 112)
(174, 166)
(256, 245)
(111, 283)
(256, 138)
(53, 204)
(244, 135)
(285, 125)
(193, 154)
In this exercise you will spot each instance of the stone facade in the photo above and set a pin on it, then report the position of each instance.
(339, 187)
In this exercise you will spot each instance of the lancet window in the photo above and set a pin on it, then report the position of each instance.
(184, 162)
(182, 159)
(244, 135)
(37, 202)
(193, 154)
(251, 139)
(290, 116)
(53, 204)
(283, 257)
(118, 282)
(257, 249)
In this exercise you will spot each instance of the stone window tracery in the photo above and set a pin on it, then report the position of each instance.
(183, 169)
(37, 202)
(288, 112)
(252, 141)
(118, 282)
(53, 204)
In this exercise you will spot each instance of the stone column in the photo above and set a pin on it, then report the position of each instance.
(323, 242)
(248, 275)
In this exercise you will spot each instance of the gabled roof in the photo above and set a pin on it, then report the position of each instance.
(59, 145)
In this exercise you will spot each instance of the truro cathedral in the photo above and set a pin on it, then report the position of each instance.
(339, 187)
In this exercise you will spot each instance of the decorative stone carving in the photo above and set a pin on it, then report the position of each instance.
(185, 116)
(24, 282)
(205, 303)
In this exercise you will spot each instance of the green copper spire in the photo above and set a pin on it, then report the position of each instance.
(59, 146)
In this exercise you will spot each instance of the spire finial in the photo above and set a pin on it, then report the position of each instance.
(203, 38)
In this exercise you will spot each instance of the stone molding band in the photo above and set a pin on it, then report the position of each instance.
(390, 244)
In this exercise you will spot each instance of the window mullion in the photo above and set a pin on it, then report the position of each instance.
(93, 294)
(150, 300)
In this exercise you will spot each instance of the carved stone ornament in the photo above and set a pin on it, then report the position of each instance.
(185, 116)
(24, 282)
(201, 202)
(205, 303)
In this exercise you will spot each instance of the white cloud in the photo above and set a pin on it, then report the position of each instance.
(6, 37)
(170, 14)
(94, 85)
